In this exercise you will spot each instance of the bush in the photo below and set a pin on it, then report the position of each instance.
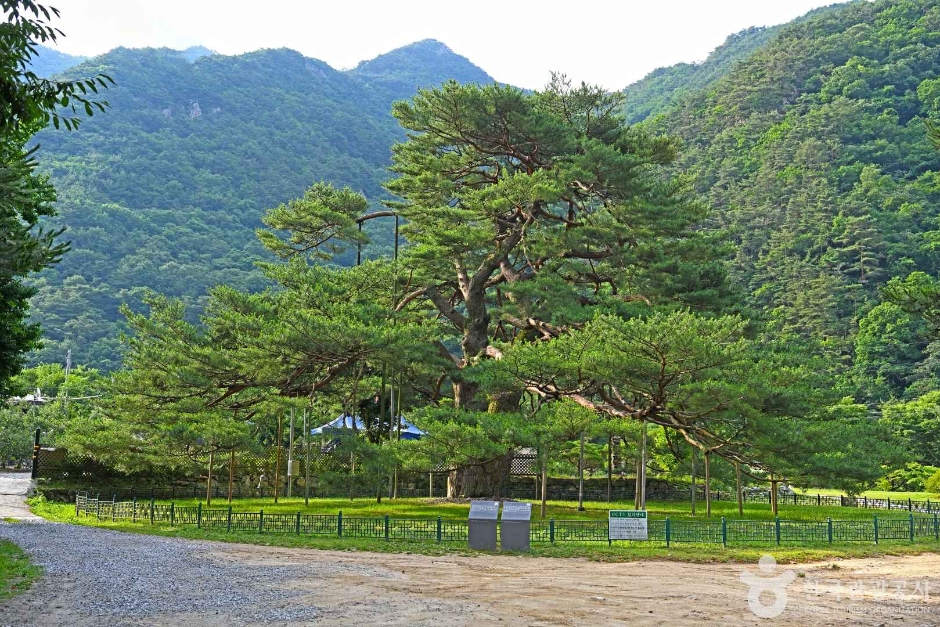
(933, 483)
(912, 478)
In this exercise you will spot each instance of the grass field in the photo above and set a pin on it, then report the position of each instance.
(423, 508)
(879, 494)
(559, 510)
(17, 573)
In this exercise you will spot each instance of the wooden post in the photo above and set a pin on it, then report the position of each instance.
(277, 459)
(231, 474)
(708, 485)
(209, 479)
(737, 477)
(430, 485)
(773, 496)
(693, 480)
(544, 482)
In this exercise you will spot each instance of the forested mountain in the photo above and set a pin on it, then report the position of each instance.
(50, 61)
(813, 154)
(666, 86)
(165, 190)
(807, 140)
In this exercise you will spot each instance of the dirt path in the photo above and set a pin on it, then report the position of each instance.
(14, 488)
(96, 576)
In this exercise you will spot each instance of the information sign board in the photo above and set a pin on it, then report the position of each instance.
(627, 524)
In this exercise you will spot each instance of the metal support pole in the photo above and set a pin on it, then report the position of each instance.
(34, 472)
(307, 462)
(277, 459)
(581, 475)
(290, 456)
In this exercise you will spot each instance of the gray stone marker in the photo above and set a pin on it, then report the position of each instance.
(516, 526)
(481, 532)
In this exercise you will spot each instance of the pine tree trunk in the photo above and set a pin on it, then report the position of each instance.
(610, 469)
(740, 491)
(708, 486)
(209, 480)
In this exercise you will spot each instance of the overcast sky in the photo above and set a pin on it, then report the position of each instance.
(519, 42)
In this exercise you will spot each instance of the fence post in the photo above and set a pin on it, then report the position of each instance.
(228, 524)
(910, 506)
(199, 515)
(339, 524)
(911, 519)
(113, 501)
(551, 530)
(668, 532)
(876, 528)
(134, 513)
(386, 526)
(818, 500)
(829, 529)
(151, 510)
(866, 501)
(98, 507)
(841, 500)
(889, 503)
(928, 506)
(936, 526)
(173, 514)
(298, 523)
(260, 521)
(724, 532)
(777, 528)
(440, 529)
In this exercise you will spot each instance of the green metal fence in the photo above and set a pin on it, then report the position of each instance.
(662, 531)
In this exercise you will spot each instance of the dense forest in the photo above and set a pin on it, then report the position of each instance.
(815, 159)
(166, 190)
(740, 254)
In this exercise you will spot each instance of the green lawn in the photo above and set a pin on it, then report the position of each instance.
(878, 494)
(423, 508)
(17, 573)
(559, 510)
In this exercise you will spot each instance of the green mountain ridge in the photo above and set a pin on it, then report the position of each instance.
(813, 154)
(807, 140)
(164, 190)
(49, 61)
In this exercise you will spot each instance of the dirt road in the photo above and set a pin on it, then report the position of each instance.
(96, 576)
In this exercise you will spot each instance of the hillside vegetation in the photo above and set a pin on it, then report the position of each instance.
(166, 189)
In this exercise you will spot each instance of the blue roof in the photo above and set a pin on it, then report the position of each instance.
(408, 430)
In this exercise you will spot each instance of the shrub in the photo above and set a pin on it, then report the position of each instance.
(933, 483)
(911, 478)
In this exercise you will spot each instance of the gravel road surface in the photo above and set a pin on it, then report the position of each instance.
(102, 577)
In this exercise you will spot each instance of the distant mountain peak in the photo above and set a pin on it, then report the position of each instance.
(401, 72)
(49, 61)
(196, 52)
